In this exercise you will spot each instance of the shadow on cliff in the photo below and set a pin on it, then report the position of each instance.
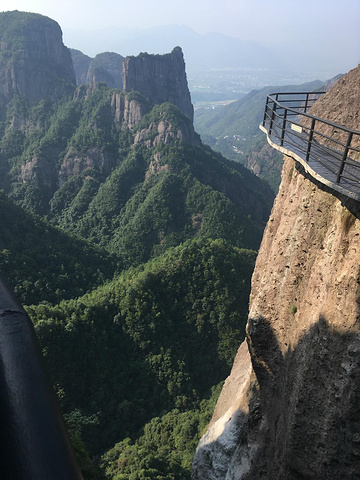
(304, 417)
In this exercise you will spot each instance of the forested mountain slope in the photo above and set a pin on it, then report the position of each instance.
(84, 164)
(132, 245)
(43, 263)
(156, 338)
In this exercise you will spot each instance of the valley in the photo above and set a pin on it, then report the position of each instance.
(128, 241)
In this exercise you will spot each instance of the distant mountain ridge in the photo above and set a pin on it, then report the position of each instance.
(208, 51)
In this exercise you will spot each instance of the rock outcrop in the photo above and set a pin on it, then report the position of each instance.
(166, 125)
(160, 79)
(34, 63)
(291, 406)
(105, 67)
(75, 162)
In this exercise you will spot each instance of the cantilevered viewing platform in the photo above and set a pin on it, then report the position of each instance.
(294, 132)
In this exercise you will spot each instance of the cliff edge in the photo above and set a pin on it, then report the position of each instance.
(291, 407)
(34, 63)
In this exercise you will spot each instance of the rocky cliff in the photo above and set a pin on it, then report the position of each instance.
(291, 407)
(159, 78)
(344, 93)
(105, 67)
(34, 63)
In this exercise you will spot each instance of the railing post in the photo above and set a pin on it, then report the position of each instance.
(273, 114)
(283, 128)
(306, 102)
(311, 134)
(346, 151)
(266, 109)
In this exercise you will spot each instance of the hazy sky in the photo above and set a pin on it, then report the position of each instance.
(332, 25)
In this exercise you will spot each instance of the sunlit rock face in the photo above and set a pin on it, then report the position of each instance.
(296, 411)
(159, 78)
(34, 63)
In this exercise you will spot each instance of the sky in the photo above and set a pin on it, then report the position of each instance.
(333, 26)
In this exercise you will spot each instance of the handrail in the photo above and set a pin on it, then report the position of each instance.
(297, 112)
(303, 134)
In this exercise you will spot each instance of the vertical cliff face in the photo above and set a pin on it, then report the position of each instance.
(159, 78)
(295, 412)
(34, 63)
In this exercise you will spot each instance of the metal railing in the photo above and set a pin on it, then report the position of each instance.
(286, 120)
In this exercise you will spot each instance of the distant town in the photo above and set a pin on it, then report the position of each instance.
(219, 87)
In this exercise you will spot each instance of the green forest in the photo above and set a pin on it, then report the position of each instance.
(151, 343)
(132, 252)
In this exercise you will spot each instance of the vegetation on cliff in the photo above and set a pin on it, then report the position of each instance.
(43, 263)
(79, 166)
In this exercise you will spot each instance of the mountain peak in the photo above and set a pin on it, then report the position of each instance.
(34, 63)
(159, 78)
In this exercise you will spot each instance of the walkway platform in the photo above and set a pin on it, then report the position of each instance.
(337, 167)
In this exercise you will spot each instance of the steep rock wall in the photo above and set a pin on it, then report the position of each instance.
(160, 79)
(34, 63)
(341, 105)
(81, 64)
(295, 413)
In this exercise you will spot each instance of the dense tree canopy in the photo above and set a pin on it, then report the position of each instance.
(156, 338)
(134, 259)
